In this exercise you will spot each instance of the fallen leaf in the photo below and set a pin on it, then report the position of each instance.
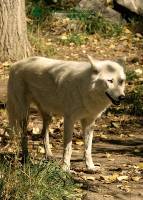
(79, 142)
(136, 178)
(122, 178)
(111, 159)
(103, 136)
(123, 38)
(139, 72)
(110, 178)
(35, 130)
(6, 64)
(136, 150)
(91, 178)
(140, 165)
(41, 150)
(112, 46)
(63, 37)
(115, 124)
(139, 35)
(126, 30)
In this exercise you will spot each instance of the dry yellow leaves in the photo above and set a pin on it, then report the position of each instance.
(114, 177)
(35, 130)
(122, 178)
(127, 31)
(109, 156)
(140, 166)
(90, 178)
(41, 150)
(110, 179)
(79, 142)
(136, 178)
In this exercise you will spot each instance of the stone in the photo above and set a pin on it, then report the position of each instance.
(135, 6)
(92, 4)
(100, 6)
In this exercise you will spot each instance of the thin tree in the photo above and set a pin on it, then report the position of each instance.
(14, 43)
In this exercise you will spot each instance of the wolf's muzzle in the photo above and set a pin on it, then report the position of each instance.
(121, 97)
(115, 102)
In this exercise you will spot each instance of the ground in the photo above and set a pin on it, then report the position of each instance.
(118, 147)
(118, 139)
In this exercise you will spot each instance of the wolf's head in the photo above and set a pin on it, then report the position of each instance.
(108, 78)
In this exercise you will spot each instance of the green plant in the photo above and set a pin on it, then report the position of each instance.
(131, 75)
(77, 39)
(38, 182)
(97, 23)
(135, 100)
(94, 22)
(37, 11)
(39, 45)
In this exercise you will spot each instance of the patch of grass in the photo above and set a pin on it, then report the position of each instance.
(77, 39)
(91, 22)
(37, 182)
(95, 23)
(135, 100)
(131, 75)
(40, 47)
(104, 27)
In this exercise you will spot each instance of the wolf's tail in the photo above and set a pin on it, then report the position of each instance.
(17, 105)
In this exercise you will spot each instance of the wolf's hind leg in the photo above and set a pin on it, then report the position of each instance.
(24, 139)
(45, 134)
(22, 114)
(68, 133)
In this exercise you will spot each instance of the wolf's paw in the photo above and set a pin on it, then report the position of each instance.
(65, 167)
(49, 156)
(94, 168)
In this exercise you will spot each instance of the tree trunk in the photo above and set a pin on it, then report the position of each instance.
(14, 43)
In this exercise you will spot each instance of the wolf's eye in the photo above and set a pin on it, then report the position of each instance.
(110, 80)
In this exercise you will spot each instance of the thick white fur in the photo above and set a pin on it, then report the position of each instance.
(75, 90)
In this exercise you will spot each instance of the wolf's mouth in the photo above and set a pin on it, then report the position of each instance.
(115, 102)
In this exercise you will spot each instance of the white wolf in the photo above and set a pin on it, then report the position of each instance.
(75, 90)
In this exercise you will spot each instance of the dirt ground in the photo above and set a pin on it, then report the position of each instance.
(118, 147)
(118, 138)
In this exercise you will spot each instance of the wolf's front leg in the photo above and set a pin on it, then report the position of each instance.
(68, 132)
(87, 126)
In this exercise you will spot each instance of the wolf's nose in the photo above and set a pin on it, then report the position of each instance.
(121, 97)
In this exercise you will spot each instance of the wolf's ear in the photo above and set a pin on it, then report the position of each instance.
(122, 61)
(93, 63)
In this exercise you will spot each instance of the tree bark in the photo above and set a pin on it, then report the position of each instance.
(14, 43)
